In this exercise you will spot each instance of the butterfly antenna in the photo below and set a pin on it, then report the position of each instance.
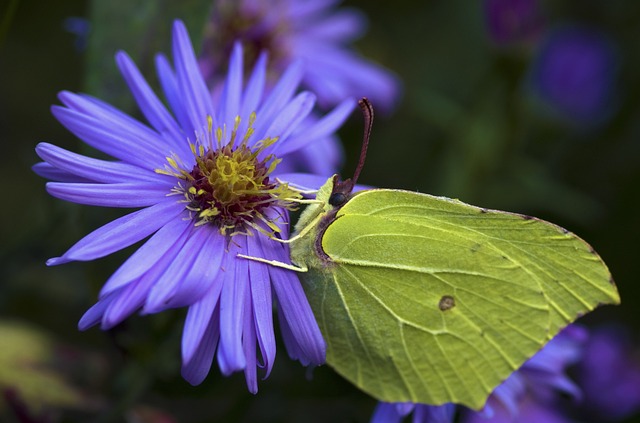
(367, 111)
(342, 189)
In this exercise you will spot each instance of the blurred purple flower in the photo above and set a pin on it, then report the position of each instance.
(575, 72)
(395, 412)
(207, 182)
(512, 22)
(527, 396)
(532, 391)
(80, 28)
(609, 375)
(312, 31)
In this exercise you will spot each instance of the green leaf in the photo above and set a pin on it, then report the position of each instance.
(430, 300)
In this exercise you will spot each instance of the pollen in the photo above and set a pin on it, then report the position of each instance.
(229, 186)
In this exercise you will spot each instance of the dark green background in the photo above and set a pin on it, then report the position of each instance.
(467, 127)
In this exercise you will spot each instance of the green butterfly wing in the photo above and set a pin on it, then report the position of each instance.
(430, 300)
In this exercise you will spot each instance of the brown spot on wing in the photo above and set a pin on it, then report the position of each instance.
(447, 302)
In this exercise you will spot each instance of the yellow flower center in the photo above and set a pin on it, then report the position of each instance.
(229, 185)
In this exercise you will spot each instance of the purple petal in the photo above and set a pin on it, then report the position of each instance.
(555, 382)
(351, 76)
(508, 394)
(563, 350)
(129, 299)
(190, 273)
(150, 105)
(205, 268)
(115, 120)
(121, 233)
(331, 91)
(93, 316)
(386, 413)
(262, 304)
(340, 27)
(530, 411)
(169, 84)
(196, 369)
(197, 99)
(279, 97)
(295, 309)
(115, 141)
(200, 318)
(304, 9)
(161, 248)
(434, 413)
(321, 129)
(230, 100)
(289, 118)
(609, 373)
(255, 86)
(141, 194)
(87, 168)
(249, 345)
(329, 149)
(53, 173)
(232, 304)
(104, 112)
(290, 342)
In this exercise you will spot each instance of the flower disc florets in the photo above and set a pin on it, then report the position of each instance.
(229, 185)
(259, 32)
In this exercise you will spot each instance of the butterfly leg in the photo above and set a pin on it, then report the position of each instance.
(301, 191)
(276, 263)
(302, 233)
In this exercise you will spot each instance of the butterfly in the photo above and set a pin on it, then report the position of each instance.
(430, 300)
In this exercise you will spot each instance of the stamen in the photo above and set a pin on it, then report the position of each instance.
(229, 185)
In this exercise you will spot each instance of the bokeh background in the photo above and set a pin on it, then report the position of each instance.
(537, 114)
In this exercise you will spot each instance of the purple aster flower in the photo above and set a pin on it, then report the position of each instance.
(512, 22)
(575, 72)
(209, 187)
(609, 375)
(528, 395)
(313, 31)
